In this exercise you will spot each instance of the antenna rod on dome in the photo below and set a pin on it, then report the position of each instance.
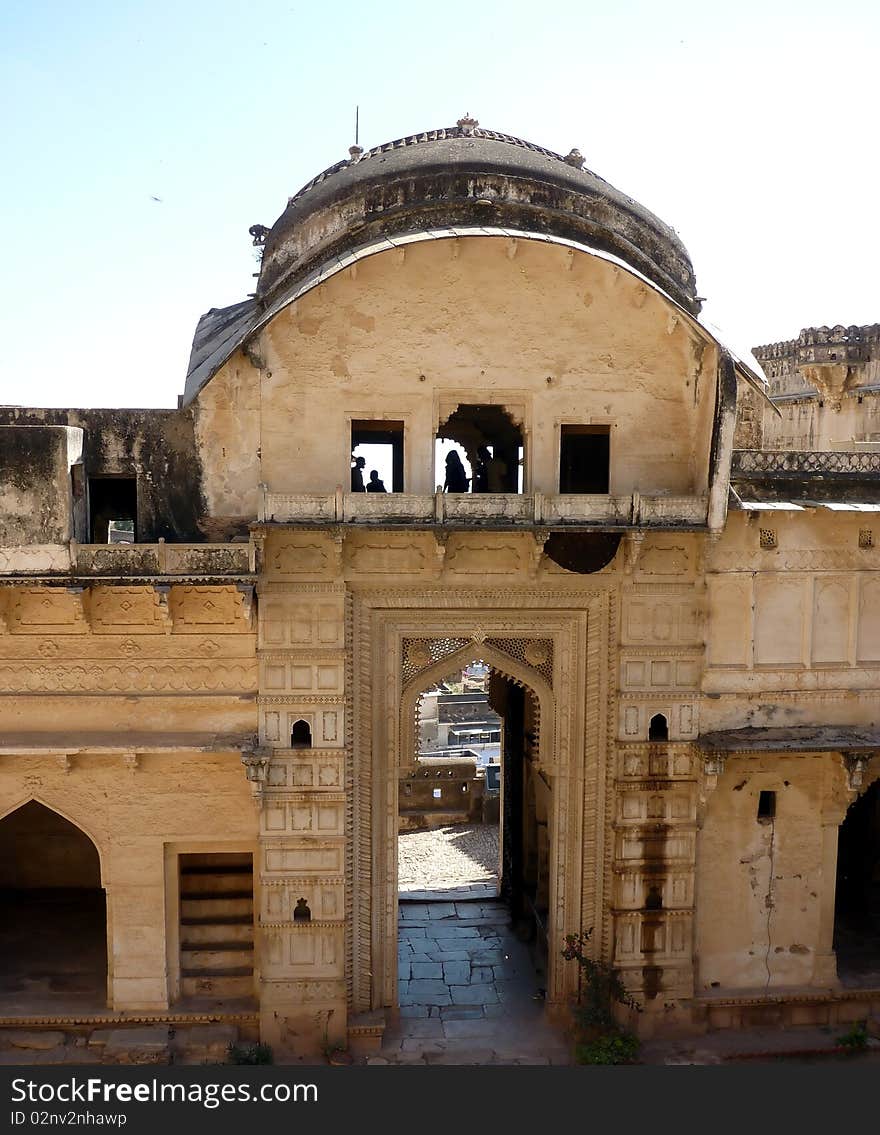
(355, 151)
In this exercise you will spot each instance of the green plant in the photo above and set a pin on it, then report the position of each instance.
(620, 1047)
(599, 1038)
(856, 1040)
(250, 1054)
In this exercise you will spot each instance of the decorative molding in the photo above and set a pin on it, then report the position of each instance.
(132, 677)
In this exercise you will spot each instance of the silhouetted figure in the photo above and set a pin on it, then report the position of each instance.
(357, 474)
(374, 485)
(456, 478)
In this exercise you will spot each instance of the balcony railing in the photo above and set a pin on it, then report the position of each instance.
(770, 461)
(464, 510)
(129, 560)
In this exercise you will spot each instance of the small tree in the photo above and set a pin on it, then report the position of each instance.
(600, 1039)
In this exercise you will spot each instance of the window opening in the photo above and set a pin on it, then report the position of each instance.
(658, 730)
(766, 805)
(376, 456)
(479, 449)
(301, 735)
(113, 510)
(584, 459)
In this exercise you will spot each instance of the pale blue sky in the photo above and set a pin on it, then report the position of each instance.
(751, 128)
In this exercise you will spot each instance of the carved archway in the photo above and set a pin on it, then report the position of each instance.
(577, 628)
(53, 914)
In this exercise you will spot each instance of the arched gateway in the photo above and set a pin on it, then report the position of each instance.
(53, 921)
(403, 645)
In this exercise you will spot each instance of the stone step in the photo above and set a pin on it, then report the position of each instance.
(239, 955)
(203, 1044)
(217, 907)
(216, 861)
(216, 883)
(217, 986)
(196, 934)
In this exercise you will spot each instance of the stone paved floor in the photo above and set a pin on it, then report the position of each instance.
(468, 991)
(459, 855)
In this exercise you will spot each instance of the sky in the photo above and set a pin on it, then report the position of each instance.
(142, 140)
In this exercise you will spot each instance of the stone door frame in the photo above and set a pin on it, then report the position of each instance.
(576, 737)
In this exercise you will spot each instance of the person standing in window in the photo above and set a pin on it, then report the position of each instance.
(374, 485)
(456, 479)
(357, 474)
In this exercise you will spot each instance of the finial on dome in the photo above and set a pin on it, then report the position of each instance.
(467, 125)
(354, 153)
(574, 158)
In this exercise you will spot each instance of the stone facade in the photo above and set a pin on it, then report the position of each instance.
(692, 652)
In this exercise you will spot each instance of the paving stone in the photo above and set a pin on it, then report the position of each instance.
(465, 1012)
(473, 994)
(422, 1045)
(429, 992)
(482, 974)
(377, 1060)
(457, 973)
(413, 1012)
(487, 958)
(426, 969)
(441, 910)
(409, 932)
(486, 1030)
(424, 1027)
(410, 911)
(449, 956)
(404, 971)
(453, 930)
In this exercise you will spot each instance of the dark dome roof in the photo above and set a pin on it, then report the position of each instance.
(465, 175)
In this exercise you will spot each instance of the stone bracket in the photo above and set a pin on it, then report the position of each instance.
(166, 619)
(855, 765)
(256, 763)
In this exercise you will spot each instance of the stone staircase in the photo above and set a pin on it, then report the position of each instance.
(216, 926)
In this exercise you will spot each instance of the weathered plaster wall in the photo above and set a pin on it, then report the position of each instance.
(556, 337)
(35, 484)
(764, 888)
(793, 632)
(155, 446)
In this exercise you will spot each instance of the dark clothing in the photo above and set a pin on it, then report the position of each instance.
(357, 479)
(376, 486)
(456, 478)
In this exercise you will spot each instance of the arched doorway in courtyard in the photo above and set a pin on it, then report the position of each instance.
(53, 919)
(857, 895)
(474, 852)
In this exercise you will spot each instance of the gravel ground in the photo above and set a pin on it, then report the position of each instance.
(448, 857)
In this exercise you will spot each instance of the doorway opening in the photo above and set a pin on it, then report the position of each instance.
(53, 916)
(857, 898)
(474, 854)
(113, 510)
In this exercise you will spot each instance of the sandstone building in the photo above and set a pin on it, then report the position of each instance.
(203, 727)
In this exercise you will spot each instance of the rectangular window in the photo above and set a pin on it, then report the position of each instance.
(584, 459)
(113, 510)
(376, 456)
(766, 806)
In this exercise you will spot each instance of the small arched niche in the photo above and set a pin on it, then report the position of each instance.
(658, 729)
(301, 735)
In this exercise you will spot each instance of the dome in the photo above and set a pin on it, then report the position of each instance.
(465, 175)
